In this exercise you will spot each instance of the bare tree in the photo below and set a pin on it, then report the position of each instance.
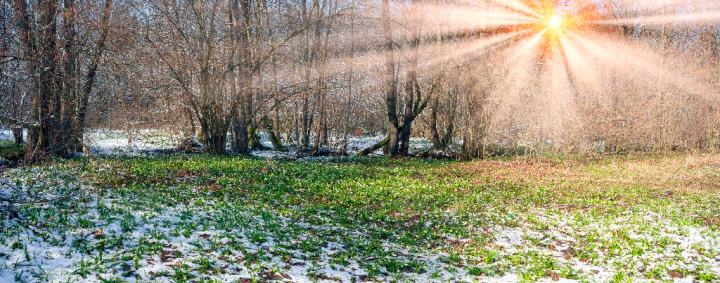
(57, 110)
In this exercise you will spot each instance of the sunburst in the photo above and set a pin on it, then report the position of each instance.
(555, 22)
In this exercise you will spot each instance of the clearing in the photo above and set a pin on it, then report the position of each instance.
(194, 218)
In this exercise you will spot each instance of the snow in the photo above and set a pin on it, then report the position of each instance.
(112, 143)
(355, 145)
(6, 135)
(108, 143)
(103, 142)
(61, 262)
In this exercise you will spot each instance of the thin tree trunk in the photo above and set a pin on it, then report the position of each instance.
(69, 95)
(320, 51)
(437, 144)
(27, 39)
(305, 125)
(411, 87)
(246, 6)
(277, 145)
(90, 78)
(346, 130)
(237, 142)
(390, 83)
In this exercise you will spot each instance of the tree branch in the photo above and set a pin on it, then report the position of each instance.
(9, 58)
(17, 122)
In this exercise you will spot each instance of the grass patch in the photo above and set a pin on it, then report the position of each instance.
(199, 218)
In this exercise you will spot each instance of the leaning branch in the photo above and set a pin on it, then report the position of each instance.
(16, 122)
(375, 147)
(378, 145)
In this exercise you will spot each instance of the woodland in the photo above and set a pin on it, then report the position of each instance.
(359, 141)
(475, 78)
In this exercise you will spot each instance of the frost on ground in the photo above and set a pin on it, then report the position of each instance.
(233, 219)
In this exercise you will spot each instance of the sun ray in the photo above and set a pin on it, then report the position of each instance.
(684, 19)
(461, 17)
(472, 49)
(621, 54)
(520, 68)
(515, 5)
(583, 68)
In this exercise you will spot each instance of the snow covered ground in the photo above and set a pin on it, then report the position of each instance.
(119, 237)
(103, 142)
(183, 240)
(109, 143)
(355, 145)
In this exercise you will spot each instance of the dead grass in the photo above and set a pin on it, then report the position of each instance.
(674, 174)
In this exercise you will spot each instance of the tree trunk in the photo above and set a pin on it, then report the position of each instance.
(448, 137)
(296, 129)
(273, 138)
(69, 94)
(241, 139)
(255, 142)
(190, 127)
(346, 129)
(305, 116)
(18, 135)
(437, 144)
(27, 39)
(243, 113)
(390, 83)
(411, 87)
(276, 125)
(214, 129)
(47, 98)
(305, 125)
(450, 116)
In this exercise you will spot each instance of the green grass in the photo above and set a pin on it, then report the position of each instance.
(394, 219)
(11, 151)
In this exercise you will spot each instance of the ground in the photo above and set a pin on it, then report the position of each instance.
(195, 218)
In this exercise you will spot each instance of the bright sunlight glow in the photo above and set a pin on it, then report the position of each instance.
(555, 21)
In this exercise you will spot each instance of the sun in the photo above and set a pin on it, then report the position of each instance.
(555, 21)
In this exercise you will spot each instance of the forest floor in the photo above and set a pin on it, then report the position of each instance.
(195, 218)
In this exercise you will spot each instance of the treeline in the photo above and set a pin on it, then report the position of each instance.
(480, 75)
